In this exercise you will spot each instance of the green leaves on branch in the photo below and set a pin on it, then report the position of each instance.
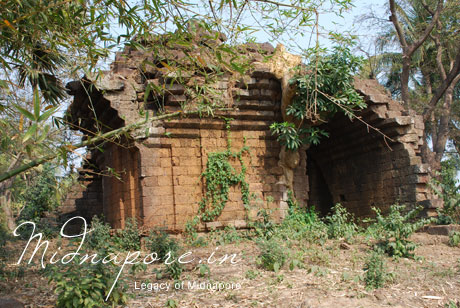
(328, 77)
(37, 119)
(292, 138)
(87, 285)
(394, 230)
(324, 87)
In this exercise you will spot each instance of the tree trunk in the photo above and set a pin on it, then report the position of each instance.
(428, 156)
(5, 201)
(443, 127)
(405, 96)
(5, 195)
(442, 132)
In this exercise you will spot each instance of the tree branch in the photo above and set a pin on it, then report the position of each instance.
(414, 46)
(408, 50)
(103, 137)
(437, 42)
(452, 77)
(399, 29)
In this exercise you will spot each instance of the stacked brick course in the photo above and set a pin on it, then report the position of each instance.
(360, 169)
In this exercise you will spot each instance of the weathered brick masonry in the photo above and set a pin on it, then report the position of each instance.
(159, 174)
(360, 169)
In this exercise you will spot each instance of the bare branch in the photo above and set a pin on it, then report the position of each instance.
(396, 23)
(439, 52)
(292, 6)
(450, 79)
(414, 46)
(91, 141)
(427, 8)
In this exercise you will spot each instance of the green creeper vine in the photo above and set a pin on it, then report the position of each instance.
(219, 176)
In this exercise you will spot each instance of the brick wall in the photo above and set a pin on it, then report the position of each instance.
(359, 168)
(84, 198)
(171, 166)
(121, 192)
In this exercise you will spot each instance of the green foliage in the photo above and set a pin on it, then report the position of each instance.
(454, 238)
(264, 226)
(330, 88)
(375, 272)
(175, 269)
(128, 238)
(252, 274)
(40, 196)
(167, 249)
(321, 94)
(292, 137)
(302, 223)
(99, 236)
(452, 304)
(340, 223)
(219, 176)
(272, 254)
(86, 285)
(161, 243)
(137, 268)
(393, 231)
(318, 271)
(199, 242)
(204, 270)
(171, 303)
(190, 228)
(228, 235)
(448, 188)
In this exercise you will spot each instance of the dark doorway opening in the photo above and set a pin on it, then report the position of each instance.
(319, 194)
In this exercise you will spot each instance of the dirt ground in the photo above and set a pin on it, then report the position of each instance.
(331, 277)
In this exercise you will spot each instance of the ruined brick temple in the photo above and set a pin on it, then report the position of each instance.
(159, 168)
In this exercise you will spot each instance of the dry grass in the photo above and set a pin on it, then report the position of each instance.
(331, 277)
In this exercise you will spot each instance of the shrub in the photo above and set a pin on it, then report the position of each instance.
(272, 254)
(340, 223)
(200, 241)
(454, 238)
(393, 231)
(250, 274)
(87, 285)
(161, 243)
(171, 303)
(452, 304)
(175, 269)
(99, 235)
(128, 238)
(319, 98)
(39, 196)
(228, 236)
(264, 226)
(375, 274)
(303, 224)
(448, 188)
(204, 270)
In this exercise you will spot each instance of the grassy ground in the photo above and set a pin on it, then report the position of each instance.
(328, 275)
